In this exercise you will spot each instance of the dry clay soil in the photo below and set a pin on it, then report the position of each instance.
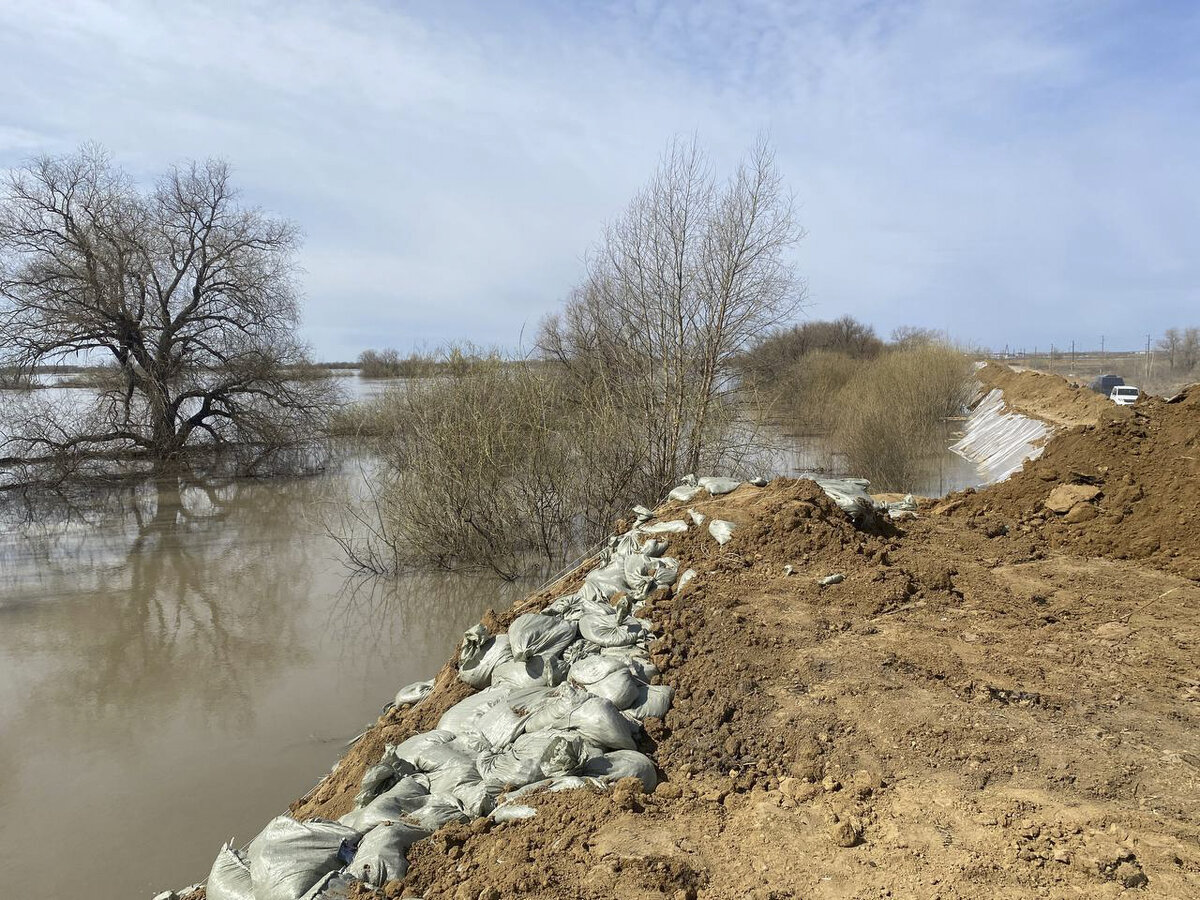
(997, 701)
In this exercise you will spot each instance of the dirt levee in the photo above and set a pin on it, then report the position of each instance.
(1047, 397)
(999, 699)
(1145, 468)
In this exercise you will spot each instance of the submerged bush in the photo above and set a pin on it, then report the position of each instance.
(803, 394)
(891, 414)
(390, 364)
(495, 466)
(509, 465)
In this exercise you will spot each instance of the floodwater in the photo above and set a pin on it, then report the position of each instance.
(941, 474)
(179, 661)
(178, 666)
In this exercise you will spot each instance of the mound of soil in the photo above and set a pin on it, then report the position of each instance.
(999, 700)
(1047, 397)
(970, 712)
(1144, 472)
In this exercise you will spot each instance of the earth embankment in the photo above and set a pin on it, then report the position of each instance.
(1000, 698)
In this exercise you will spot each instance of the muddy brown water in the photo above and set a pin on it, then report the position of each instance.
(178, 666)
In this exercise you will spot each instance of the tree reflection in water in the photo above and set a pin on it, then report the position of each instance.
(189, 643)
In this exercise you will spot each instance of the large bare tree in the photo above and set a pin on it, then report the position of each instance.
(692, 271)
(187, 293)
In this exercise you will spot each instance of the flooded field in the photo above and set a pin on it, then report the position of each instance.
(177, 666)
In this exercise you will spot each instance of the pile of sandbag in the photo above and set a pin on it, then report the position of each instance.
(560, 701)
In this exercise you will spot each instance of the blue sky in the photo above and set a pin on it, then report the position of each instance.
(1015, 173)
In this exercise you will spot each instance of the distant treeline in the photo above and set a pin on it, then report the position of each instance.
(390, 364)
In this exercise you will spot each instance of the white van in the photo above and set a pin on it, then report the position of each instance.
(1124, 395)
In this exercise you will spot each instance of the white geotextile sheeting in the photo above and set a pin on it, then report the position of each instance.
(998, 441)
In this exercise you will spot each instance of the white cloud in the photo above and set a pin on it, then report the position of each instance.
(1010, 172)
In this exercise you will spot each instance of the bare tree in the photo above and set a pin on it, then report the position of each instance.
(1171, 343)
(186, 291)
(678, 286)
(1189, 348)
(908, 336)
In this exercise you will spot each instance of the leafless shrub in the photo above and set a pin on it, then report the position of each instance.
(390, 364)
(891, 414)
(803, 394)
(772, 354)
(491, 467)
(513, 463)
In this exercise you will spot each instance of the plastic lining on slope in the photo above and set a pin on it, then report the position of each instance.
(999, 441)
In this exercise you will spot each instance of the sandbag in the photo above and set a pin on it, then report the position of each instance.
(462, 717)
(721, 530)
(557, 703)
(446, 766)
(476, 799)
(652, 702)
(537, 671)
(564, 607)
(685, 578)
(437, 810)
(718, 486)
(289, 857)
(643, 669)
(375, 781)
(554, 785)
(506, 770)
(623, 544)
(852, 496)
(383, 854)
(620, 764)
(413, 693)
(638, 573)
(675, 526)
(606, 582)
(512, 813)
(684, 493)
(504, 721)
(407, 795)
(608, 631)
(564, 753)
(620, 688)
(480, 654)
(229, 878)
(536, 635)
(501, 725)
(598, 721)
(697, 518)
(653, 548)
(633, 651)
(334, 886)
(643, 574)
(579, 649)
(381, 776)
(591, 669)
(408, 749)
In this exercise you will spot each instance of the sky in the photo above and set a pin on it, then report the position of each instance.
(1017, 174)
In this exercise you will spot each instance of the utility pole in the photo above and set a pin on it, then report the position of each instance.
(1147, 357)
(1101, 352)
